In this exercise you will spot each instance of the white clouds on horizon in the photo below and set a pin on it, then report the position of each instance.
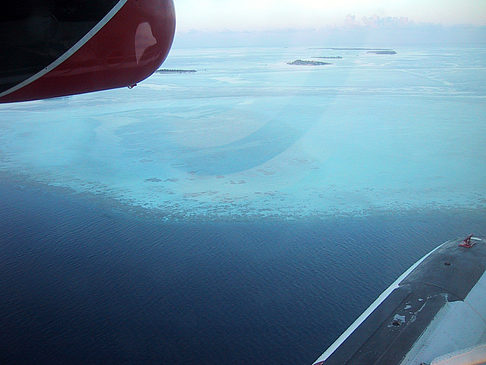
(255, 15)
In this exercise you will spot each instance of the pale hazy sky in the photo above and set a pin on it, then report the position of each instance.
(249, 15)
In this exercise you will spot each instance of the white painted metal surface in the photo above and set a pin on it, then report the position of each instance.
(457, 326)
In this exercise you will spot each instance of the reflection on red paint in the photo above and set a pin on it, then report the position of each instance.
(143, 40)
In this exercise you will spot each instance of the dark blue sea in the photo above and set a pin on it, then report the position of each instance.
(82, 282)
(245, 213)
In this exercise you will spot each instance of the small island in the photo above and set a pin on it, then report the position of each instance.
(308, 63)
(353, 49)
(174, 71)
(370, 50)
(330, 57)
(385, 51)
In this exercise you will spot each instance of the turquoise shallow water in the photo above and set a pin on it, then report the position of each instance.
(250, 136)
(245, 213)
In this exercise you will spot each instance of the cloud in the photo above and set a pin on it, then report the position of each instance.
(373, 31)
(375, 21)
(251, 15)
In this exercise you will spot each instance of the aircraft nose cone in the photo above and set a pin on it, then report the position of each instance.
(126, 46)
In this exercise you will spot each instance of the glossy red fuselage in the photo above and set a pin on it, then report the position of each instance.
(125, 47)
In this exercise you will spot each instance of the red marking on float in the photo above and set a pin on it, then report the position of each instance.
(467, 243)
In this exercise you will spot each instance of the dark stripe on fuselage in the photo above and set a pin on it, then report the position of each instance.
(34, 33)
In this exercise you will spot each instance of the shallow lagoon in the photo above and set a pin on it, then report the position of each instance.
(250, 136)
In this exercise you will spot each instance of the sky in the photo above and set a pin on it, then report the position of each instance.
(260, 15)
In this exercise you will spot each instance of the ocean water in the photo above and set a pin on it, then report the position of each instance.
(250, 136)
(244, 213)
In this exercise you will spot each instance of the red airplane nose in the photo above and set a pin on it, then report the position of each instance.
(129, 43)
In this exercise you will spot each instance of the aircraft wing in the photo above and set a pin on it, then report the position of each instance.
(435, 313)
